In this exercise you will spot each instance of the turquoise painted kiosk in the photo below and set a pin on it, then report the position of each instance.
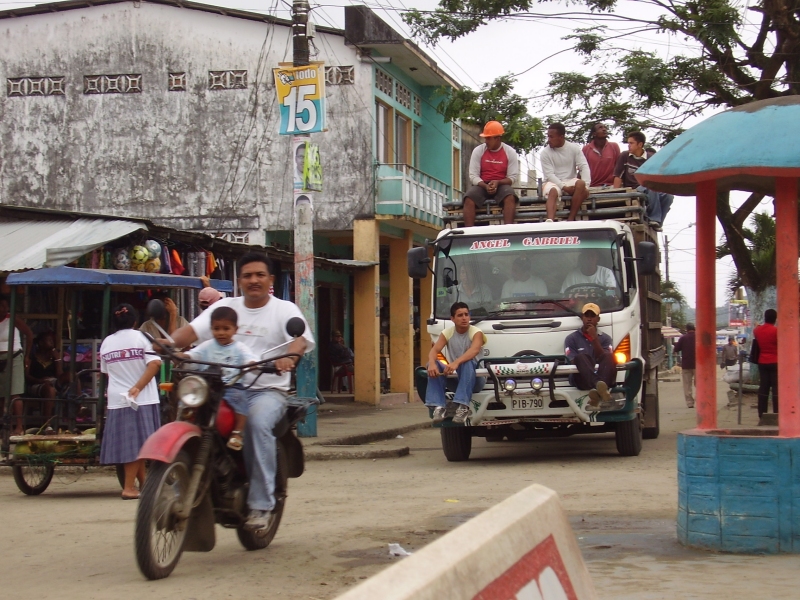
(739, 489)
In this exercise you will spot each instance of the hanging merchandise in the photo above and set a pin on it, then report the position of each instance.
(139, 256)
(166, 264)
(121, 260)
(153, 265)
(177, 265)
(153, 248)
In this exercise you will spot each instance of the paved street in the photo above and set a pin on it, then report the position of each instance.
(76, 538)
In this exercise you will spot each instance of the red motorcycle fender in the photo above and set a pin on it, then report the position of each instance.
(165, 443)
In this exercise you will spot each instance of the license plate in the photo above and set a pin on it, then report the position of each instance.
(527, 403)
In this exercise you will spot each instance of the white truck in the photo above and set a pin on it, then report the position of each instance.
(528, 393)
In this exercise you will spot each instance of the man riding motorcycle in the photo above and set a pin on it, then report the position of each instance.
(262, 325)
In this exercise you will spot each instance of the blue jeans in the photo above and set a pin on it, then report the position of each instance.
(467, 385)
(658, 204)
(264, 409)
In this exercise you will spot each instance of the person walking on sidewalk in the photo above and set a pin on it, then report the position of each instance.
(766, 335)
(685, 345)
(462, 344)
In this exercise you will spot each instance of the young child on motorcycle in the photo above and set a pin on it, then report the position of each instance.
(224, 349)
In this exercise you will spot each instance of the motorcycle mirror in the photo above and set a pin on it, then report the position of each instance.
(295, 327)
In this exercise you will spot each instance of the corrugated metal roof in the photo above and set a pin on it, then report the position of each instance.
(36, 244)
(670, 332)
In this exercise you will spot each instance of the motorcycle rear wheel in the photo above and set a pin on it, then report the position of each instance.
(159, 536)
(260, 539)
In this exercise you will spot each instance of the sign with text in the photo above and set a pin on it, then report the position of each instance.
(301, 98)
(307, 165)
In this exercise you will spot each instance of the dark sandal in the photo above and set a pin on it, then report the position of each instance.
(235, 442)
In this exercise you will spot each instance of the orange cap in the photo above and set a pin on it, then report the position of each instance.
(492, 129)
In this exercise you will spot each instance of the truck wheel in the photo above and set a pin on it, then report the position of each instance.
(651, 416)
(629, 437)
(456, 443)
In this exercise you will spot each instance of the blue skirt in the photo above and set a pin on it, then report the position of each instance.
(126, 431)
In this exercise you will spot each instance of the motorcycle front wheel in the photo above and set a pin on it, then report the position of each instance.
(257, 540)
(159, 533)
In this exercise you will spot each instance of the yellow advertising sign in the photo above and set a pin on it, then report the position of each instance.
(301, 98)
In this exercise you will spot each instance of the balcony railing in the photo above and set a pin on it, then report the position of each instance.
(404, 190)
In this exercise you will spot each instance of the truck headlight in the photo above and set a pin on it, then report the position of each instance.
(193, 391)
(509, 385)
(537, 383)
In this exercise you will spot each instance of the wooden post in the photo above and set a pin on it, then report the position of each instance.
(706, 333)
(366, 304)
(788, 313)
(401, 316)
(425, 309)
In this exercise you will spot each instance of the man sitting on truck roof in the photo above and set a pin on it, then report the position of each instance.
(601, 155)
(493, 169)
(658, 203)
(464, 343)
(561, 160)
(522, 284)
(589, 272)
(586, 348)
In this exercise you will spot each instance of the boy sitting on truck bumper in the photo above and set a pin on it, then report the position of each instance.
(464, 343)
(586, 348)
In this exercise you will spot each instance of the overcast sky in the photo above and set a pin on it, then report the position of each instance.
(514, 47)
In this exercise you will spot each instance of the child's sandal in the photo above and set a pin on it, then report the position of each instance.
(235, 442)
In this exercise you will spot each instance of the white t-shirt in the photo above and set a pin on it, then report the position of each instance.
(260, 329)
(235, 353)
(603, 276)
(124, 356)
(532, 287)
(4, 337)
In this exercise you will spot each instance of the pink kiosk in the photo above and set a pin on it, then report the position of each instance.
(739, 489)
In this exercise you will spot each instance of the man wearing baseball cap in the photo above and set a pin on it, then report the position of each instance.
(586, 348)
(207, 297)
(493, 169)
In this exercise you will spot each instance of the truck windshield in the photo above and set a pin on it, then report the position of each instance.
(523, 275)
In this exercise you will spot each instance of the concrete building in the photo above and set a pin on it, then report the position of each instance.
(166, 110)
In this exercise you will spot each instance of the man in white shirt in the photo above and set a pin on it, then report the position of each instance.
(589, 272)
(561, 160)
(522, 284)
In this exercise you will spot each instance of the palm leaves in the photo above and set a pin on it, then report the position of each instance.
(760, 242)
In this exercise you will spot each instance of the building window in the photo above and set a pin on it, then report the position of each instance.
(35, 86)
(231, 79)
(402, 139)
(456, 133)
(383, 128)
(417, 106)
(384, 82)
(341, 75)
(403, 95)
(177, 82)
(113, 84)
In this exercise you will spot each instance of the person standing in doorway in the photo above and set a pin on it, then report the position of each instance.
(685, 345)
(767, 337)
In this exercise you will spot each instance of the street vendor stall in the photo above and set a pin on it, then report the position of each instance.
(34, 457)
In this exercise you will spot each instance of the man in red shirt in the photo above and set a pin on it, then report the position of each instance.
(493, 169)
(601, 155)
(767, 337)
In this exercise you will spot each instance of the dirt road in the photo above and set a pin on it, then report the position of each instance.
(76, 540)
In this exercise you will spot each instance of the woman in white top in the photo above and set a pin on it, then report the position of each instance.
(14, 364)
(127, 358)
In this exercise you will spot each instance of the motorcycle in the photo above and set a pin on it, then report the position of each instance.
(195, 480)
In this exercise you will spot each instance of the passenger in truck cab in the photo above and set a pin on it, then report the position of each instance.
(588, 348)
(589, 272)
(522, 284)
(470, 289)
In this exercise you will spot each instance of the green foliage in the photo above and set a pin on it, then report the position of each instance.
(495, 102)
(760, 241)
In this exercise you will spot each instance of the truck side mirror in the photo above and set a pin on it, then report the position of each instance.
(418, 261)
(647, 255)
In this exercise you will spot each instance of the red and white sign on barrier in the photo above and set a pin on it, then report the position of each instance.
(520, 549)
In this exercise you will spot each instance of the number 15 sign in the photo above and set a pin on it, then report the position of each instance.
(301, 98)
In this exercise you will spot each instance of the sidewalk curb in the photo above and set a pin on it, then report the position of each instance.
(340, 453)
(373, 436)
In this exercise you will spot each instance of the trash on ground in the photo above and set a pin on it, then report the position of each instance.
(398, 550)
(399, 437)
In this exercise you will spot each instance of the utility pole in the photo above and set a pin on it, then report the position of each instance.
(668, 310)
(304, 237)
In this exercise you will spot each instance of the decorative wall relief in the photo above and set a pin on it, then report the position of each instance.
(35, 86)
(227, 80)
(112, 84)
(340, 75)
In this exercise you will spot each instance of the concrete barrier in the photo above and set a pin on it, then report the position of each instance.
(521, 549)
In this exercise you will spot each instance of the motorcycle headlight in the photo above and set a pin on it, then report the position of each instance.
(537, 383)
(509, 385)
(193, 391)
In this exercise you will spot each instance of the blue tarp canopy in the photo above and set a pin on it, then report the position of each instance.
(103, 277)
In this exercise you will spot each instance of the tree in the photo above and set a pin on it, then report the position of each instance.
(495, 102)
(717, 62)
(672, 295)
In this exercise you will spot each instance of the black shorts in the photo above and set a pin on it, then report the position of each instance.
(479, 195)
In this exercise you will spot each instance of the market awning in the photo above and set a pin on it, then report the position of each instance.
(75, 276)
(31, 244)
(670, 332)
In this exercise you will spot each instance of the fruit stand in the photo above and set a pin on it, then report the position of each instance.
(35, 456)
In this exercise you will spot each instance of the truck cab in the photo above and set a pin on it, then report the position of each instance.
(526, 285)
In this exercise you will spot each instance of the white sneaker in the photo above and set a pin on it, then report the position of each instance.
(462, 412)
(258, 519)
(439, 414)
(548, 220)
